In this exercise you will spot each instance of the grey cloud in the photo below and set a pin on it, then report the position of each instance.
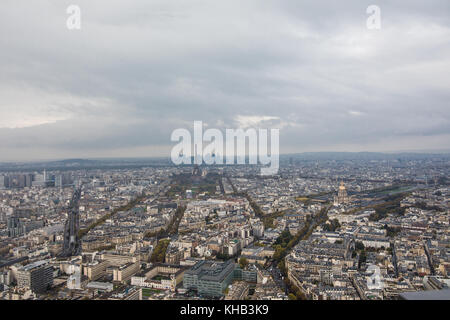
(139, 69)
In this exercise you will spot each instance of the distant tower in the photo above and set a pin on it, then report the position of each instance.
(196, 171)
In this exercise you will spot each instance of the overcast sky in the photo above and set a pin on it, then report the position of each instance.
(139, 69)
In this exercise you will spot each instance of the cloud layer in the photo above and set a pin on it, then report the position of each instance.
(139, 69)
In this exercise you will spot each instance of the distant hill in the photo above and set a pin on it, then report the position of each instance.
(112, 163)
(364, 156)
(68, 164)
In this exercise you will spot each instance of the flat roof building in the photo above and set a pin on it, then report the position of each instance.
(209, 278)
(426, 295)
(37, 276)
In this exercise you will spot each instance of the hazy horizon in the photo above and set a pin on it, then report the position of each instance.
(437, 152)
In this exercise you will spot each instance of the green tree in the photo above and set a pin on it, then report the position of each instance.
(359, 245)
(243, 262)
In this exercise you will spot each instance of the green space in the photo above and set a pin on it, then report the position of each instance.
(285, 242)
(107, 247)
(396, 188)
(175, 223)
(332, 225)
(422, 205)
(186, 181)
(147, 292)
(159, 253)
(392, 232)
(258, 244)
(130, 205)
(391, 205)
(294, 292)
(360, 250)
(243, 263)
(4, 250)
(256, 208)
(270, 218)
(307, 199)
(160, 277)
(173, 226)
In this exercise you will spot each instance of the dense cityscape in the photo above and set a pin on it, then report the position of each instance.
(205, 159)
(326, 227)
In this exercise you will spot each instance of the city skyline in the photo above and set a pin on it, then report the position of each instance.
(320, 155)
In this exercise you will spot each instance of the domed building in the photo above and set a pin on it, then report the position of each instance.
(342, 196)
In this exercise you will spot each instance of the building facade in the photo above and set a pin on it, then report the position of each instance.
(37, 276)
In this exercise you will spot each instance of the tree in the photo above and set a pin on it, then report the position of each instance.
(159, 253)
(222, 256)
(359, 245)
(362, 259)
(243, 262)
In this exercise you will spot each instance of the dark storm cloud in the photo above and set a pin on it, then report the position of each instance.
(139, 69)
